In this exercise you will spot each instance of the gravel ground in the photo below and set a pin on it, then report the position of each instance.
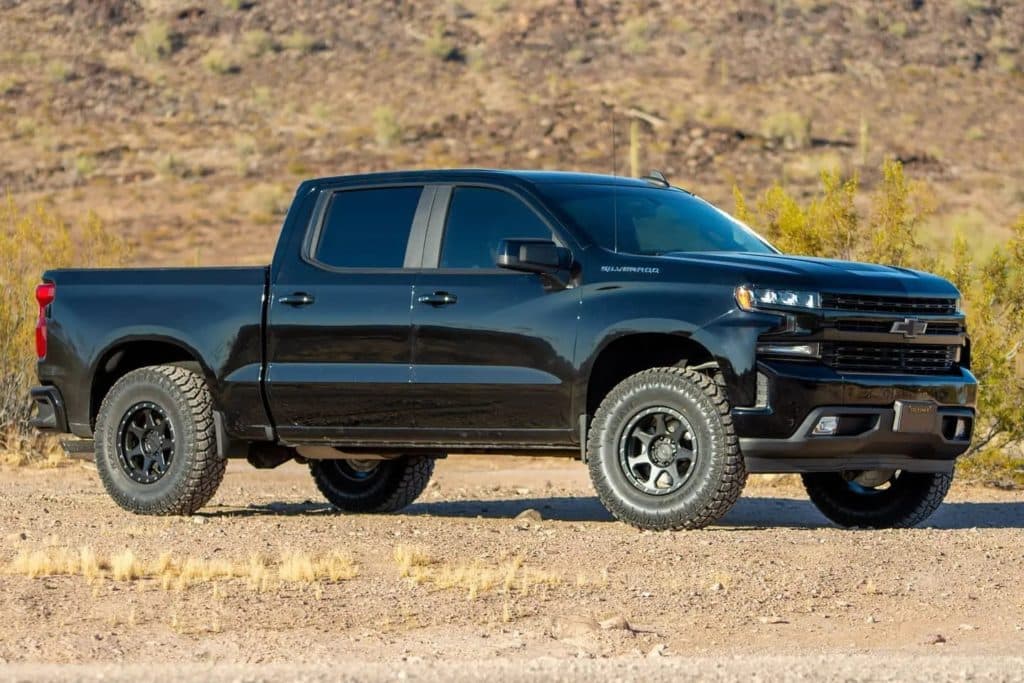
(590, 598)
(936, 669)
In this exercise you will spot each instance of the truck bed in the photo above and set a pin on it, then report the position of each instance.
(210, 313)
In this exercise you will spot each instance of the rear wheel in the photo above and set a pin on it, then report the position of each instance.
(877, 499)
(662, 451)
(156, 451)
(372, 485)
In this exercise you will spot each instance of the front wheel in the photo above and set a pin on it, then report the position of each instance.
(663, 453)
(372, 485)
(877, 499)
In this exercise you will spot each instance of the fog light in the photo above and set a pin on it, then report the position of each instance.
(960, 433)
(827, 426)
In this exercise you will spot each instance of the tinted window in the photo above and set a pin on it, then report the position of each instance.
(650, 220)
(478, 219)
(368, 228)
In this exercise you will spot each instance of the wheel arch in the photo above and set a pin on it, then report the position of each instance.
(125, 355)
(624, 355)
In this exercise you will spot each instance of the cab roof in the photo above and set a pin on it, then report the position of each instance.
(498, 177)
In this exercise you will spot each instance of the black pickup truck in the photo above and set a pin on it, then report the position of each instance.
(408, 316)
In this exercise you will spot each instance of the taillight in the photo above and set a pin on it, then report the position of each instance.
(45, 294)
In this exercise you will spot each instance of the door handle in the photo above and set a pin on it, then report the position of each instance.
(297, 299)
(438, 299)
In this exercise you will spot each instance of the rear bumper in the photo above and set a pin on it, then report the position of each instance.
(778, 436)
(50, 413)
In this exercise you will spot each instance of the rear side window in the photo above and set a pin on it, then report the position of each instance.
(367, 228)
(478, 219)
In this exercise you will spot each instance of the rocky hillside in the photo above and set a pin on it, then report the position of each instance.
(188, 124)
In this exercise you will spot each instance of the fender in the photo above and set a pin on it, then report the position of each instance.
(729, 337)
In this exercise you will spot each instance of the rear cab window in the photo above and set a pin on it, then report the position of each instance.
(367, 227)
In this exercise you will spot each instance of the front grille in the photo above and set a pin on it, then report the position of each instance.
(890, 358)
(888, 304)
(885, 326)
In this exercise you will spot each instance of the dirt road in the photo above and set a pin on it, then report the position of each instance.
(456, 586)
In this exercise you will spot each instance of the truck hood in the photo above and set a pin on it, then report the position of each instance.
(830, 275)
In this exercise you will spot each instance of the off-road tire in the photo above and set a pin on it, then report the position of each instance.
(194, 471)
(911, 499)
(391, 486)
(719, 475)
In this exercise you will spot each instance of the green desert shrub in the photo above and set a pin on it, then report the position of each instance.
(32, 241)
(829, 225)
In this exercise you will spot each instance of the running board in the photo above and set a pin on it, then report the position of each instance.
(79, 449)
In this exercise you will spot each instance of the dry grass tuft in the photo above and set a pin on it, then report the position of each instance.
(475, 578)
(36, 563)
(410, 558)
(178, 573)
(125, 567)
(301, 568)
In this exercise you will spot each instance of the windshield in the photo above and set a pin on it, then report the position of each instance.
(651, 220)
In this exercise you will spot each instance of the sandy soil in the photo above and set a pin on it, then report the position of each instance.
(773, 579)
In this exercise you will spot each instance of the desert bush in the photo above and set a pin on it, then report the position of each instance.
(84, 165)
(153, 41)
(266, 202)
(218, 61)
(638, 32)
(386, 128)
(300, 42)
(257, 43)
(31, 241)
(172, 166)
(8, 85)
(790, 128)
(440, 46)
(59, 71)
(830, 226)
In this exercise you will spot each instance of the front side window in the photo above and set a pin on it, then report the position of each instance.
(478, 219)
(650, 220)
(367, 228)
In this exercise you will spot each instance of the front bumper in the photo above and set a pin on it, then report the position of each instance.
(777, 437)
(50, 414)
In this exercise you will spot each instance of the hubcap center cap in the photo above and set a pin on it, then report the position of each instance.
(663, 452)
(153, 441)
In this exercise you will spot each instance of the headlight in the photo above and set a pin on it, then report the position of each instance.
(752, 298)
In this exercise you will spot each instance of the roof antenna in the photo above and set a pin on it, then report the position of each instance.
(615, 157)
(656, 176)
(615, 172)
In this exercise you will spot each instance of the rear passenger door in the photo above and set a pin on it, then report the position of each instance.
(338, 333)
(492, 348)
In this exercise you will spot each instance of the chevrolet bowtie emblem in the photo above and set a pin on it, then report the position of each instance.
(909, 327)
